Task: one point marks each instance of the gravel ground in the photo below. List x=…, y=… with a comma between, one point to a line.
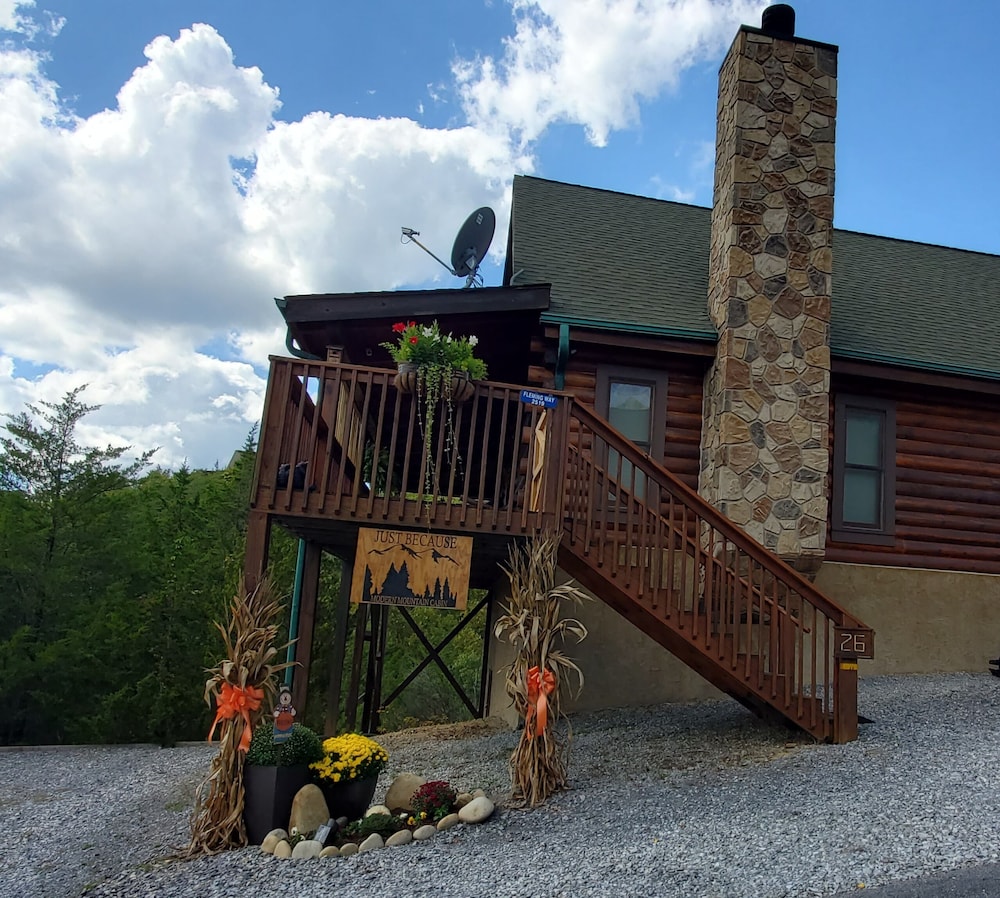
x=694, y=800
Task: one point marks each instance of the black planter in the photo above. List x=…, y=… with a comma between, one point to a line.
x=350, y=799
x=269, y=794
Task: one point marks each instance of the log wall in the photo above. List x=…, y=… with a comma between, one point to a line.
x=947, y=455
x=685, y=379
x=947, y=480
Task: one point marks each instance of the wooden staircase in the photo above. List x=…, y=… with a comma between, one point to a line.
x=670, y=563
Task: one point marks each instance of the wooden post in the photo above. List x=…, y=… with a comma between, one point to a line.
x=379, y=617
x=257, y=548
x=337, y=656
x=555, y=484
x=845, y=700
x=484, y=673
x=276, y=407
x=354, y=686
x=307, y=624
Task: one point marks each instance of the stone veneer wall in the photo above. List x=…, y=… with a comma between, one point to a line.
x=765, y=458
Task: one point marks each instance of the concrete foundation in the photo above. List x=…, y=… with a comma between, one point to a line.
x=925, y=622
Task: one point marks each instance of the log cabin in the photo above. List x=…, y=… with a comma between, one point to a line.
x=763, y=439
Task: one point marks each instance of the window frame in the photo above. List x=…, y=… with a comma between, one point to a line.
x=846, y=531
x=654, y=377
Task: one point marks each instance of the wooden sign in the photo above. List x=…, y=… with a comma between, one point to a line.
x=411, y=568
x=853, y=643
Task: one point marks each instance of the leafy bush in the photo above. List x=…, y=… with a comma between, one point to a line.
x=303, y=746
x=383, y=824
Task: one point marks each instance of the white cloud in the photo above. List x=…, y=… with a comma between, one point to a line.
x=15, y=18
x=664, y=191
x=697, y=163
x=12, y=17
x=590, y=62
x=161, y=394
x=134, y=240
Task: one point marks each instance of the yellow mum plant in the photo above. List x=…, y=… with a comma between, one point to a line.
x=350, y=757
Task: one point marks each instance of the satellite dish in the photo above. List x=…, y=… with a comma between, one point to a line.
x=471, y=244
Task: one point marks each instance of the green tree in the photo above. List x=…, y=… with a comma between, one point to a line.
x=45, y=461
x=61, y=558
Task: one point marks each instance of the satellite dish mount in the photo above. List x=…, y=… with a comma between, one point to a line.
x=471, y=244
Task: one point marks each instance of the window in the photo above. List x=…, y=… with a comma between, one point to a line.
x=864, y=470
x=634, y=401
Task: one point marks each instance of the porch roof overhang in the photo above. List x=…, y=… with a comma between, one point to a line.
x=503, y=318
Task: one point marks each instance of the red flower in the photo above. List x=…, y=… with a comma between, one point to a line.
x=398, y=327
x=413, y=339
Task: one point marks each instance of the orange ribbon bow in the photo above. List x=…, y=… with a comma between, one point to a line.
x=236, y=702
x=540, y=684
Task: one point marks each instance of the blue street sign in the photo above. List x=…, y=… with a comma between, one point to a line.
x=543, y=400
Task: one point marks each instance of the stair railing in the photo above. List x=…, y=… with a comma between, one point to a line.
x=683, y=561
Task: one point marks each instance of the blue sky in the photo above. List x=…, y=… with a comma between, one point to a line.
x=161, y=182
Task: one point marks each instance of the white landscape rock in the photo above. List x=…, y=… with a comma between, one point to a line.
x=309, y=810
x=330, y=851
x=307, y=849
x=399, y=795
x=403, y=837
x=378, y=809
x=348, y=850
x=372, y=843
x=283, y=850
x=477, y=810
x=425, y=832
x=272, y=839
x=447, y=822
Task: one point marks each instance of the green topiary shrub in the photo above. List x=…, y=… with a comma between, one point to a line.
x=303, y=746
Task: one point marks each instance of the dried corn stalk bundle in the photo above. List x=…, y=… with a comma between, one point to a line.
x=538, y=678
x=243, y=687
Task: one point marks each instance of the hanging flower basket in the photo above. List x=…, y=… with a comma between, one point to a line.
x=462, y=386
x=440, y=369
x=407, y=377
x=429, y=349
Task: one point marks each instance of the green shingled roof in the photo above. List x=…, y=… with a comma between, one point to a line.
x=636, y=264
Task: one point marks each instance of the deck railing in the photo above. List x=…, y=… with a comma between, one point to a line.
x=340, y=441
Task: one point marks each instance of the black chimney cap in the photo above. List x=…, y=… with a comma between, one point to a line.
x=778, y=20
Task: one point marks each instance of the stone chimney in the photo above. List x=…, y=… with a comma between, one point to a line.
x=765, y=457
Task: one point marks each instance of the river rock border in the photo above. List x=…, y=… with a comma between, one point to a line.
x=473, y=808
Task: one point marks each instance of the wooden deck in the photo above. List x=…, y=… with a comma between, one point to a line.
x=341, y=447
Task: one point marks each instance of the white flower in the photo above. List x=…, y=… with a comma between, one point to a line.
x=295, y=831
x=473, y=340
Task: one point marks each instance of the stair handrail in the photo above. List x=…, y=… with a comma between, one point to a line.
x=697, y=503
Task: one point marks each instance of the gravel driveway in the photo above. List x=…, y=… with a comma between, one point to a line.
x=689, y=800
